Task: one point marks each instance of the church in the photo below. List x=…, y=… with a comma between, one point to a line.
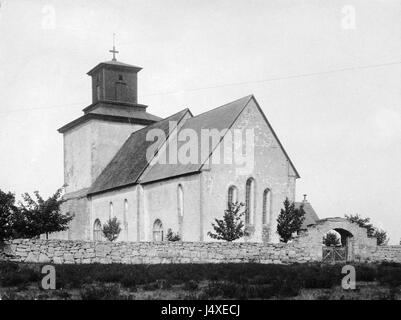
x=118, y=163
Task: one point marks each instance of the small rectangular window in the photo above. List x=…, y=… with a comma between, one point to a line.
x=98, y=92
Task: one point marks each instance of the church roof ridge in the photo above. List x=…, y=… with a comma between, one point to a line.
x=219, y=118
x=163, y=119
x=129, y=166
x=248, y=97
x=130, y=161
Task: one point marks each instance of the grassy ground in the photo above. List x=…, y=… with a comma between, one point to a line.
x=200, y=281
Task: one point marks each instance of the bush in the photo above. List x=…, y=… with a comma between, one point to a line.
x=389, y=273
x=151, y=286
x=379, y=234
x=100, y=291
x=366, y=273
x=11, y=275
x=332, y=240
x=227, y=281
x=231, y=227
x=244, y=291
x=128, y=281
x=191, y=285
x=111, y=229
x=173, y=237
x=290, y=220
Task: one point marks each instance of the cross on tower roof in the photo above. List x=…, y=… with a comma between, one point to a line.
x=114, y=51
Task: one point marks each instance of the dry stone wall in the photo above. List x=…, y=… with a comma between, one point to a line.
x=307, y=247
x=59, y=252
x=385, y=253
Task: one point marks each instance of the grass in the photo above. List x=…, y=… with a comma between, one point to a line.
x=194, y=281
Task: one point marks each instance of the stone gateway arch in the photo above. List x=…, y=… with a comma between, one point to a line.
x=355, y=243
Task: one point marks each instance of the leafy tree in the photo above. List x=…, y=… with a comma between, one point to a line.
x=171, y=236
x=362, y=222
x=331, y=240
x=231, y=227
x=111, y=229
x=39, y=216
x=381, y=237
x=289, y=221
x=7, y=210
x=372, y=231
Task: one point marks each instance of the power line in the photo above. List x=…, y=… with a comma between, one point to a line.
x=301, y=75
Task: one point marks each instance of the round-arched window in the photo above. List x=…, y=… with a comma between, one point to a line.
x=125, y=220
x=111, y=210
x=97, y=231
x=266, y=206
x=180, y=201
x=250, y=201
x=232, y=196
x=157, y=230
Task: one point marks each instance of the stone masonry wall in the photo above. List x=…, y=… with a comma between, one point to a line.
x=307, y=247
x=61, y=251
x=385, y=253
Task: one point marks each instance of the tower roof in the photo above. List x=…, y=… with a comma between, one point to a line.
x=115, y=65
x=311, y=216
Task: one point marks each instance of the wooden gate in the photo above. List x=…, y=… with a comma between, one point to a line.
x=334, y=254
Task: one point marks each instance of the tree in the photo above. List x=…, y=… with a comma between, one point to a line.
x=331, y=240
x=289, y=221
x=231, y=227
x=111, y=229
x=372, y=231
x=362, y=222
x=173, y=237
x=381, y=237
x=7, y=210
x=36, y=217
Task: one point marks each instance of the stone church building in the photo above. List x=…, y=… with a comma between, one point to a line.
x=108, y=171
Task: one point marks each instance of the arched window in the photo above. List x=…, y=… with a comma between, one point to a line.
x=157, y=230
x=125, y=220
x=180, y=201
x=250, y=201
x=111, y=210
x=97, y=230
x=232, y=195
x=139, y=214
x=266, y=206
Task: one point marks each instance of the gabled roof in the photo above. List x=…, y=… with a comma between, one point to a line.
x=113, y=111
x=129, y=164
x=115, y=64
x=311, y=216
x=121, y=109
x=128, y=112
x=105, y=117
x=130, y=161
x=220, y=118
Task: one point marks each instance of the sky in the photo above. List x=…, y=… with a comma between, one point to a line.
x=326, y=73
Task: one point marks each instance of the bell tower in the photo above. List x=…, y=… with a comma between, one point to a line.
x=92, y=140
x=114, y=81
